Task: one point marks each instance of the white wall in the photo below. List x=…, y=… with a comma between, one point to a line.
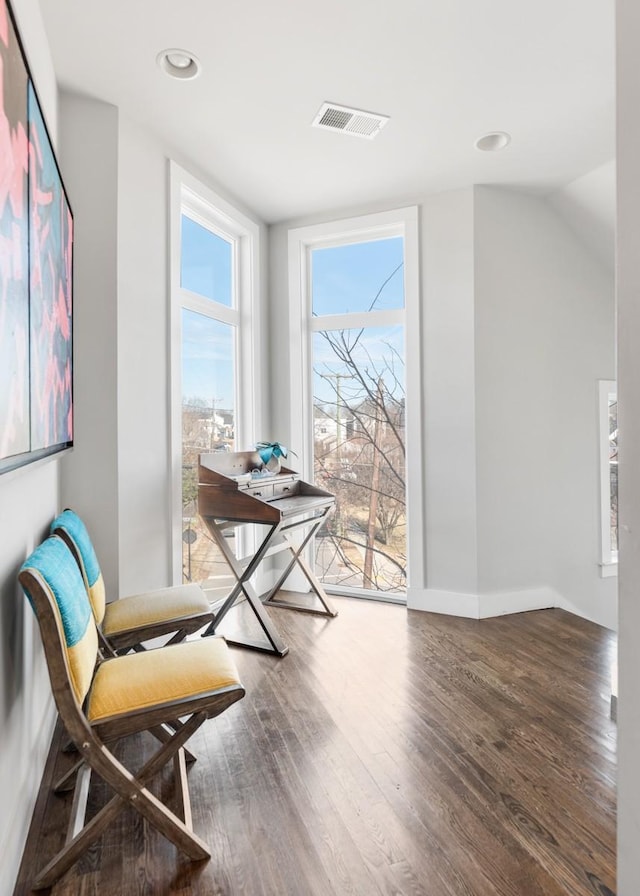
x=588, y=205
x=144, y=474
x=628, y=290
x=518, y=326
x=29, y=498
x=544, y=309
x=449, y=399
x=89, y=152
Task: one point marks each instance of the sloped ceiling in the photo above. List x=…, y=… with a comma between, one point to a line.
x=446, y=73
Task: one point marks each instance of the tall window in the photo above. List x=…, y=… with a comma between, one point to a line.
x=608, y=428
x=353, y=309
x=214, y=258
x=359, y=411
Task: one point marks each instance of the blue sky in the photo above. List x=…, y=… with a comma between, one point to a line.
x=207, y=360
x=352, y=278
x=207, y=345
x=206, y=263
x=344, y=279
x=348, y=278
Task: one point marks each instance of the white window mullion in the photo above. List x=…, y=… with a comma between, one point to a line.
x=208, y=308
x=356, y=320
x=416, y=534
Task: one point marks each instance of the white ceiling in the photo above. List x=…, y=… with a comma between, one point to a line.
x=446, y=71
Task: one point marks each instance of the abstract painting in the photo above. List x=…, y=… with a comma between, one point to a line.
x=50, y=244
x=36, y=257
x=14, y=244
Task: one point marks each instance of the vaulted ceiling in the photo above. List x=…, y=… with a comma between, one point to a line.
x=445, y=72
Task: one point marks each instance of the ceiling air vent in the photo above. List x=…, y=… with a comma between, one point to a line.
x=349, y=121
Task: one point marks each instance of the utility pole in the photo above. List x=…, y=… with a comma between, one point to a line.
x=375, y=489
x=338, y=377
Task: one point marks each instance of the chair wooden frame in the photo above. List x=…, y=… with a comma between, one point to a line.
x=172, y=722
x=178, y=625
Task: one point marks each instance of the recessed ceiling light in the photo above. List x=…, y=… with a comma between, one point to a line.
x=493, y=142
x=179, y=64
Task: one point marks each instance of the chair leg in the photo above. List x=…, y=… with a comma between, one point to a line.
x=182, y=786
x=66, y=782
x=165, y=732
x=133, y=790
x=79, y=805
x=179, y=636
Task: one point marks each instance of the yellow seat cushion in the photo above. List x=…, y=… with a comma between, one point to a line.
x=140, y=680
x=142, y=610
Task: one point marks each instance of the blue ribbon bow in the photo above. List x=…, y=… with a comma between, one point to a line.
x=266, y=450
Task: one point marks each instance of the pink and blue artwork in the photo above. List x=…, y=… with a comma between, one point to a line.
x=36, y=244
x=50, y=260
x=14, y=263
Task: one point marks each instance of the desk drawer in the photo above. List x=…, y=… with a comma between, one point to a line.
x=284, y=489
x=264, y=490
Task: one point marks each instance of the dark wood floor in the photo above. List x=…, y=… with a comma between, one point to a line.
x=390, y=752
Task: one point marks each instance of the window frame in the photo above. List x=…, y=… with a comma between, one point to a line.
x=202, y=204
x=608, y=556
x=301, y=242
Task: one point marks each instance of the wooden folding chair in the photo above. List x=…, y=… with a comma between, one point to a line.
x=127, y=622
x=169, y=692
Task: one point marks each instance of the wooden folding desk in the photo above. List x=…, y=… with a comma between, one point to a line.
x=284, y=503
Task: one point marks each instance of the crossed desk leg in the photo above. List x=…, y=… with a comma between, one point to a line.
x=273, y=643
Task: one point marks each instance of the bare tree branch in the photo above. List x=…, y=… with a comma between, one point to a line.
x=364, y=463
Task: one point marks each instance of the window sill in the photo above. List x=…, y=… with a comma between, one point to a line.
x=608, y=569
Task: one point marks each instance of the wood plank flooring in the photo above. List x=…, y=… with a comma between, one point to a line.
x=390, y=753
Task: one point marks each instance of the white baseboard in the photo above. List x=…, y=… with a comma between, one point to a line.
x=451, y=603
x=481, y=606
x=499, y=603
